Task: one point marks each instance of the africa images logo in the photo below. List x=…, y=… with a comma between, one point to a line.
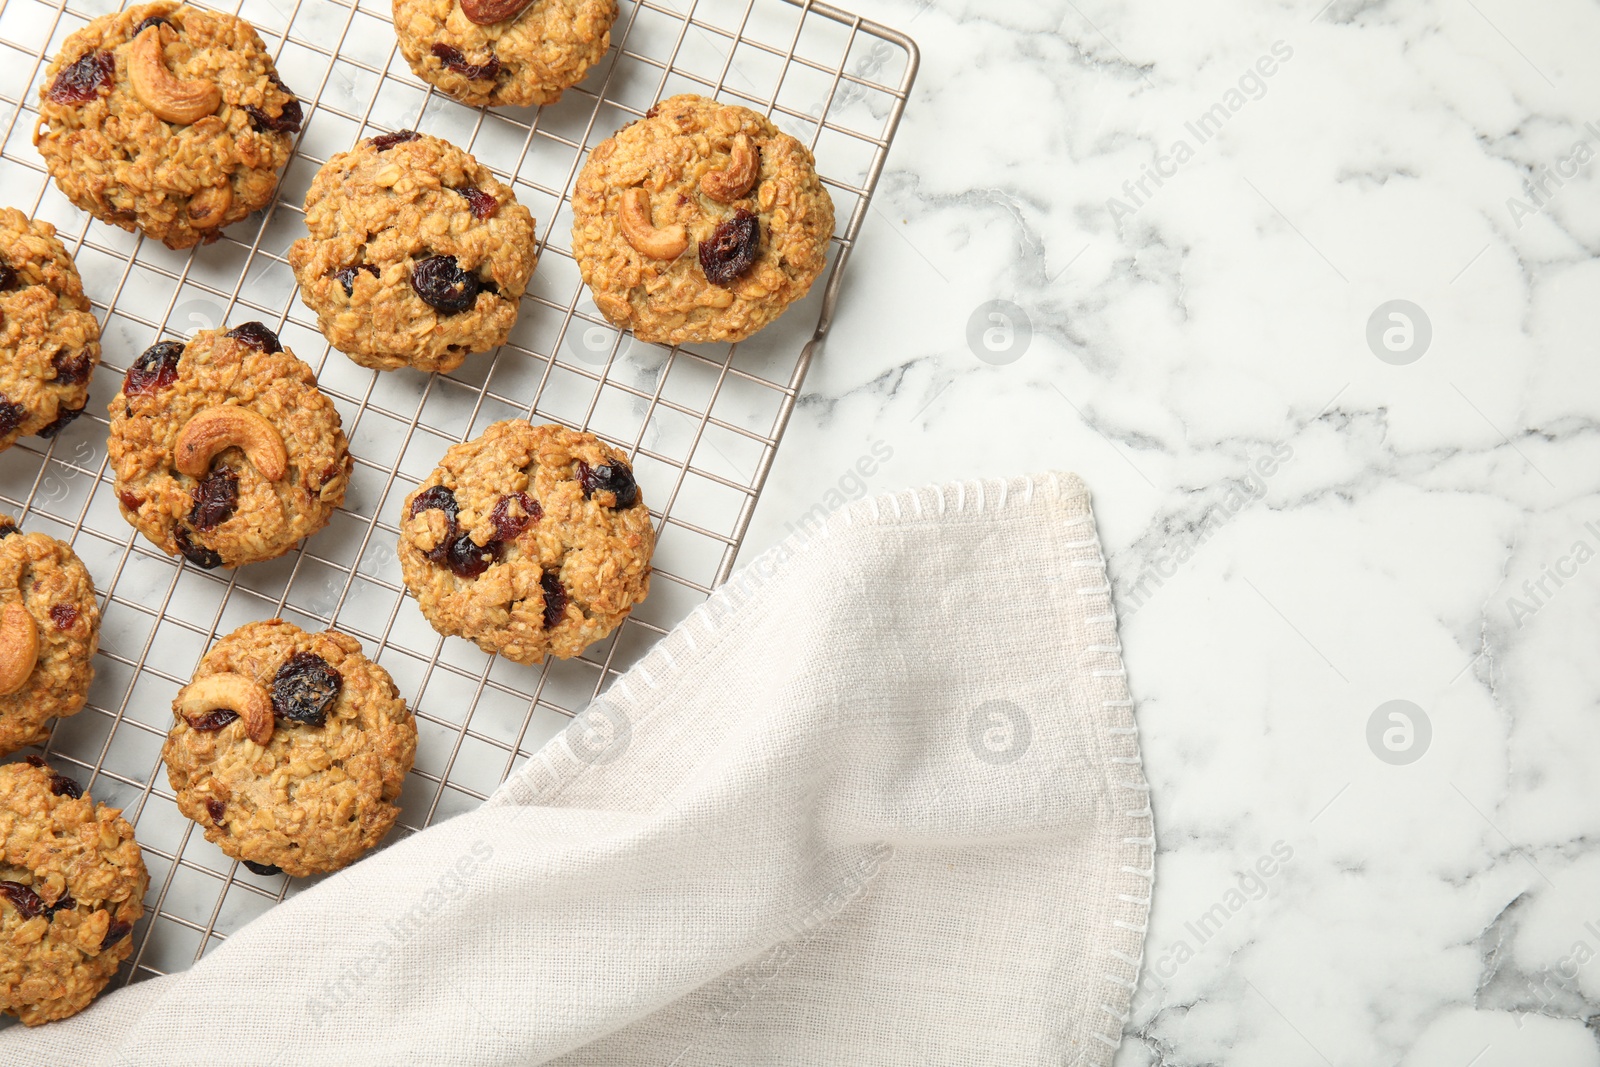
x=1546, y=184
x=1539, y=591
x=1251, y=86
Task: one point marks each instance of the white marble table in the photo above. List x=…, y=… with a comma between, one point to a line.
x=1303, y=526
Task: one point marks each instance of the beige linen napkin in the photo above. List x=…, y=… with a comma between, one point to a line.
x=879, y=801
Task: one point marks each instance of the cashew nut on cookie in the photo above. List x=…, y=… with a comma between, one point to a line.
x=734, y=181
x=167, y=96
x=233, y=692
x=19, y=647
x=641, y=232
x=217, y=429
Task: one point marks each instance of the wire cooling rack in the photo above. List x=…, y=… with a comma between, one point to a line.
x=701, y=422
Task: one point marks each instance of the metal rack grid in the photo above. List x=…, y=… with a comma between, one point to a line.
x=701, y=422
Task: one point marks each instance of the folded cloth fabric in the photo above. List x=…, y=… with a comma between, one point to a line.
x=878, y=801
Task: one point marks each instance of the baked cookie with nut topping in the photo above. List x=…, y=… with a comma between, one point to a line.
x=224, y=450
x=290, y=748
x=49, y=631
x=166, y=119
x=49, y=339
x=72, y=884
x=489, y=53
x=528, y=540
x=700, y=222
x=416, y=254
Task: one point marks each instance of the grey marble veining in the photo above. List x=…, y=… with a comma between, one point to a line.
x=1357, y=556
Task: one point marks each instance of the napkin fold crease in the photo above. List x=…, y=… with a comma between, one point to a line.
x=878, y=801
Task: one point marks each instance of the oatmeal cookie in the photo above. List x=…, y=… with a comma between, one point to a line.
x=528, y=540
x=49, y=339
x=416, y=254
x=49, y=630
x=166, y=119
x=72, y=885
x=225, y=452
x=290, y=748
x=513, y=52
x=700, y=222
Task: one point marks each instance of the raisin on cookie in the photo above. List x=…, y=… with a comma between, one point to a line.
x=700, y=222
x=290, y=748
x=489, y=53
x=528, y=540
x=72, y=884
x=49, y=631
x=225, y=451
x=49, y=339
x=166, y=119
x=416, y=254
